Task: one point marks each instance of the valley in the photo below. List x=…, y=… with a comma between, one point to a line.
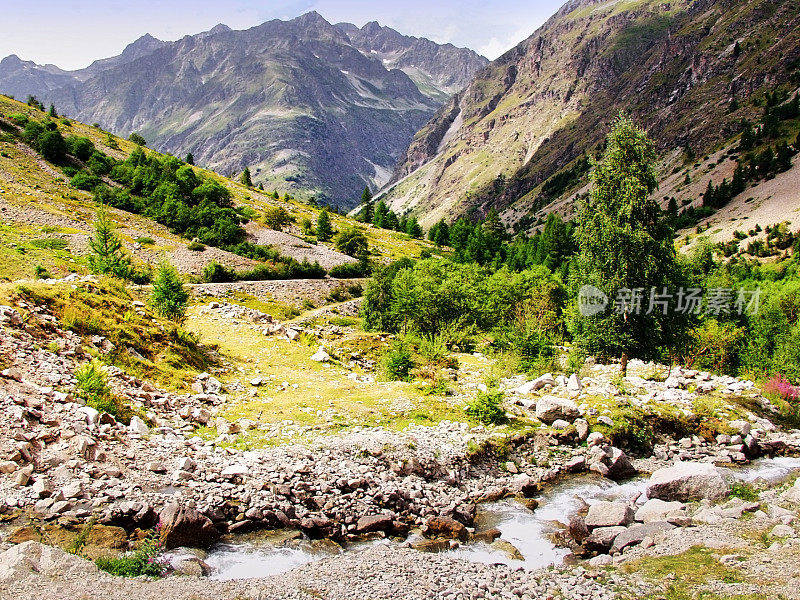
x=313, y=310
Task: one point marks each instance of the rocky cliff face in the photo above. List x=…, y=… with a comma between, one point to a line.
x=528, y=115
x=298, y=102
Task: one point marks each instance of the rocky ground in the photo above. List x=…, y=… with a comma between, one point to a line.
x=66, y=468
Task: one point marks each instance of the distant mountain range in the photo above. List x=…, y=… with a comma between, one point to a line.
x=305, y=104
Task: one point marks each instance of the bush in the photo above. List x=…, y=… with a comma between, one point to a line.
x=195, y=246
x=39, y=272
x=714, y=346
x=85, y=181
x=51, y=145
x=80, y=147
x=137, y=139
x=781, y=387
x=169, y=298
x=214, y=272
x=349, y=270
x=397, y=363
x=108, y=256
x=276, y=217
x=93, y=388
x=486, y=408
x=145, y=241
x=142, y=561
x=352, y=242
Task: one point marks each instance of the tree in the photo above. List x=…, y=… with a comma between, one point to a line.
x=625, y=245
x=52, y=112
x=413, y=228
x=169, y=298
x=324, y=228
x=108, y=256
x=276, y=217
x=137, y=139
x=190, y=159
x=246, y=180
x=51, y=146
x=747, y=140
x=367, y=207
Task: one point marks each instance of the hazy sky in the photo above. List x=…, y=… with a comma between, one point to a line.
x=73, y=33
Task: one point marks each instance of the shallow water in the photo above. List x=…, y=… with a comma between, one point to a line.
x=528, y=531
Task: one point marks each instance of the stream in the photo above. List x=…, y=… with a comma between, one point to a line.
x=528, y=531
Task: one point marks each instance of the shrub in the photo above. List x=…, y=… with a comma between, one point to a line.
x=349, y=270
x=108, y=256
x=39, y=272
x=714, y=346
x=352, y=242
x=93, y=388
x=169, y=298
x=214, y=272
x=51, y=146
x=486, y=408
x=745, y=491
x=781, y=387
x=196, y=246
x=276, y=217
x=397, y=363
x=80, y=147
x=137, y=139
x=84, y=181
x=145, y=241
x=142, y=561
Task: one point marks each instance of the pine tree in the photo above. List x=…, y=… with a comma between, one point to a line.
x=709, y=198
x=413, y=228
x=672, y=208
x=738, y=184
x=625, y=243
x=246, y=180
x=367, y=207
x=190, y=159
x=747, y=140
x=52, y=112
x=169, y=298
x=783, y=158
x=107, y=252
x=442, y=237
x=324, y=228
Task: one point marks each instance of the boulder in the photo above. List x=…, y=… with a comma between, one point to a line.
x=552, y=408
x=536, y=384
x=321, y=356
x=446, y=527
x=183, y=526
x=657, y=510
x=578, y=530
x=371, y=523
x=138, y=426
x=793, y=493
x=574, y=385
x=610, y=462
x=634, y=535
x=235, y=470
x=687, y=481
x=34, y=558
x=608, y=514
x=602, y=539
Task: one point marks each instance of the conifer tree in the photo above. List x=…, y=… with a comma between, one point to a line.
x=324, y=228
x=169, y=298
x=246, y=180
x=190, y=159
x=108, y=256
x=367, y=206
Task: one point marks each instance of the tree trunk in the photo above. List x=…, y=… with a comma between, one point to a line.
x=623, y=364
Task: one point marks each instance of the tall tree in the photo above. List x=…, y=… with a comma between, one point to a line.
x=108, y=256
x=246, y=180
x=324, y=228
x=367, y=206
x=190, y=159
x=625, y=245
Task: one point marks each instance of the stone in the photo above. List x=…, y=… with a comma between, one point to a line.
x=576, y=464
x=582, y=428
x=138, y=426
x=636, y=534
x=72, y=490
x=487, y=536
x=601, y=539
x=595, y=439
x=574, y=385
x=560, y=424
x=42, y=487
x=292, y=334
x=686, y=481
x=372, y=523
x=156, y=466
x=577, y=529
x=183, y=526
x=551, y=408
x=536, y=384
x=445, y=527
x=92, y=415
x=782, y=531
x=793, y=493
x=201, y=415
x=608, y=514
x=657, y=510
x=33, y=558
x=235, y=471
x=321, y=356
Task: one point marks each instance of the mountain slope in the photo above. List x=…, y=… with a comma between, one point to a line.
x=531, y=113
x=297, y=102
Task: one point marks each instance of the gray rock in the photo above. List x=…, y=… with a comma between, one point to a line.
x=321, y=356
x=551, y=408
x=602, y=539
x=608, y=514
x=687, y=481
x=138, y=426
x=636, y=534
x=657, y=510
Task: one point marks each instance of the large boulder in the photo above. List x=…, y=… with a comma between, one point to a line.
x=610, y=462
x=602, y=539
x=658, y=510
x=372, y=523
x=182, y=526
x=552, y=408
x=687, y=481
x=634, y=536
x=34, y=558
x=446, y=527
x=608, y=514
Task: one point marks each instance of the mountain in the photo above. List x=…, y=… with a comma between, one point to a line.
x=23, y=77
x=516, y=135
x=438, y=70
x=299, y=102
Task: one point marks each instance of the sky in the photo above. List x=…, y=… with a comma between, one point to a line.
x=71, y=33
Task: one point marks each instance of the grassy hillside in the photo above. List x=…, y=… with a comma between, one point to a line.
x=47, y=221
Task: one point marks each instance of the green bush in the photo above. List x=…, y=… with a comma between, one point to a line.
x=145, y=241
x=214, y=272
x=39, y=272
x=85, y=181
x=93, y=387
x=486, y=408
x=352, y=242
x=397, y=363
x=276, y=217
x=349, y=270
x=169, y=298
x=196, y=246
x=142, y=561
